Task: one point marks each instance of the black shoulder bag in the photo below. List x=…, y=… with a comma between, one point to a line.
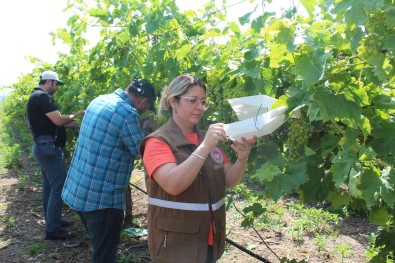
x=46, y=145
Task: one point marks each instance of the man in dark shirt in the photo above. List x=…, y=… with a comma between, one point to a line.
x=45, y=119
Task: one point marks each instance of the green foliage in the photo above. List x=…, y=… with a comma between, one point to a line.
x=338, y=62
x=23, y=182
x=10, y=221
x=36, y=248
x=129, y=258
x=311, y=220
x=11, y=152
x=383, y=246
x=11, y=155
x=343, y=250
x=320, y=241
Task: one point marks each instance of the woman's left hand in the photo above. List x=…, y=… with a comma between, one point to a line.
x=243, y=148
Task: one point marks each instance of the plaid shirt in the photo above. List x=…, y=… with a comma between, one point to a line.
x=104, y=156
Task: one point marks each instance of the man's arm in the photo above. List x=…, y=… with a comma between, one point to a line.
x=60, y=120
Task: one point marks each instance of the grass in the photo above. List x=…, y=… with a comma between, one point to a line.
x=9, y=221
x=36, y=248
x=302, y=222
x=344, y=250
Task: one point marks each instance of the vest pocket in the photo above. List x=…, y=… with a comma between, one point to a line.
x=177, y=239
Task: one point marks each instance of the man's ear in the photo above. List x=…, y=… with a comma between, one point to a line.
x=143, y=103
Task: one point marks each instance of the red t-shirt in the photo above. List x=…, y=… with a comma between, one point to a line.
x=158, y=153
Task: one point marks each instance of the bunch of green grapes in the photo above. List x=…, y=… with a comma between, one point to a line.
x=357, y=82
x=372, y=45
x=299, y=133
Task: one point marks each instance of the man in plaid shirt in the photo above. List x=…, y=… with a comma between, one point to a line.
x=102, y=163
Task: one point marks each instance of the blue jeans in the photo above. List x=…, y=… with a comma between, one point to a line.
x=104, y=229
x=53, y=171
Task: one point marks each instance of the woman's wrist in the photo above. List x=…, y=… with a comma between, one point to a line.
x=202, y=150
x=243, y=161
x=199, y=156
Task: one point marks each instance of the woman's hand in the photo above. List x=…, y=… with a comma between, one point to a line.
x=215, y=134
x=243, y=148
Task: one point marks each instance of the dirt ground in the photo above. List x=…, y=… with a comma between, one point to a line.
x=22, y=231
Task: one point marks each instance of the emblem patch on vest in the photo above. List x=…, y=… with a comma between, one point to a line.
x=217, y=155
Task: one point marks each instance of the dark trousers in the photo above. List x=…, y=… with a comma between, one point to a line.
x=104, y=229
x=53, y=173
x=210, y=255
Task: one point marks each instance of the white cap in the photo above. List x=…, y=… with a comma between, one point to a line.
x=49, y=74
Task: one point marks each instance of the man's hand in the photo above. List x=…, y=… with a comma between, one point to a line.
x=148, y=125
x=74, y=125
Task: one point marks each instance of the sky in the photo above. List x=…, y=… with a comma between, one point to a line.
x=25, y=27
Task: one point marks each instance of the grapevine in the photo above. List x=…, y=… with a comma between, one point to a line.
x=339, y=63
x=299, y=133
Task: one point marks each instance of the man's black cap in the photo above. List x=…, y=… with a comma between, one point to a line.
x=145, y=88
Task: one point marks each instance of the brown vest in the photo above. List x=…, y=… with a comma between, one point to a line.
x=177, y=235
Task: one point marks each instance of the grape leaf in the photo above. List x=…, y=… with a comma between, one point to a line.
x=386, y=238
x=365, y=127
x=257, y=209
x=328, y=143
x=251, y=54
x=259, y=22
x=278, y=54
x=335, y=106
x=382, y=101
x=279, y=186
x=339, y=198
x=341, y=166
x=97, y=12
x=309, y=5
x=317, y=186
x=353, y=182
x=355, y=11
x=377, y=62
x=366, y=153
x=379, y=215
x=286, y=36
x=356, y=15
x=247, y=222
x=245, y=18
x=355, y=35
x=349, y=139
x=384, y=142
x=297, y=173
x=390, y=17
x=387, y=188
x=381, y=257
x=370, y=185
x=283, y=183
x=389, y=42
x=266, y=172
x=311, y=66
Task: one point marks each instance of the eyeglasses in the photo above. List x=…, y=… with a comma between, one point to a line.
x=194, y=101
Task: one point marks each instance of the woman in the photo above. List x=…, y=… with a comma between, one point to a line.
x=186, y=172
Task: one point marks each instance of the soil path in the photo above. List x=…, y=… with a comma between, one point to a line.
x=22, y=230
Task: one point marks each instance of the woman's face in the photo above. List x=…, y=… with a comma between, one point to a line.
x=191, y=106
